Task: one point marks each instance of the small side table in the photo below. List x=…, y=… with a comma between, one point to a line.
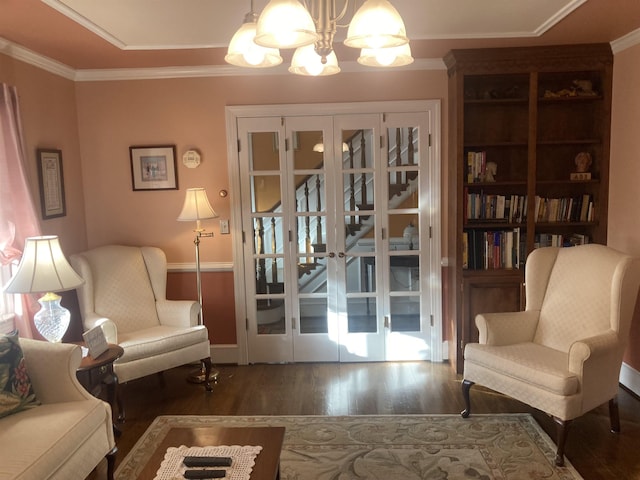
x=96, y=373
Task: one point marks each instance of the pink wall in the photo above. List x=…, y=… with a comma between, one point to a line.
x=48, y=109
x=624, y=224
x=190, y=113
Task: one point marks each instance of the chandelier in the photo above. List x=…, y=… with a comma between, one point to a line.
x=376, y=29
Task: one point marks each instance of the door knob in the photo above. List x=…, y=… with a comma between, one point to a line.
x=341, y=254
x=332, y=255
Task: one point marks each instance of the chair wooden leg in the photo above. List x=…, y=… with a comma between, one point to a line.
x=120, y=402
x=111, y=462
x=614, y=415
x=466, y=386
x=562, y=430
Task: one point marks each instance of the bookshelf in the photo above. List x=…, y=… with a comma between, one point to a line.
x=523, y=123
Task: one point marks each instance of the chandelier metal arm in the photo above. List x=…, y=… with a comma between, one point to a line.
x=324, y=16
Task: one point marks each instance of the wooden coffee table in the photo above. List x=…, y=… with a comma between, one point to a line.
x=267, y=465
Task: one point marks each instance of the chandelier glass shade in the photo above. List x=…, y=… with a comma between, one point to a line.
x=310, y=26
x=386, y=57
x=244, y=52
x=285, y=24
x=306, y=61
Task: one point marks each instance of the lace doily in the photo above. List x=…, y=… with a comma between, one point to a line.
x=244, y=458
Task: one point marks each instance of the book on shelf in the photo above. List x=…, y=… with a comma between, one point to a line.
x=492, y=249
x=564, y=209
x=476, y=166
x=492, y=208
x=558, y=240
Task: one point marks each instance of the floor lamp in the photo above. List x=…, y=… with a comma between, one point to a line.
x=196, y=208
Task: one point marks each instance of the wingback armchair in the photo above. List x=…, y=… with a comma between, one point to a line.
x=562, y=354
x=125, y=294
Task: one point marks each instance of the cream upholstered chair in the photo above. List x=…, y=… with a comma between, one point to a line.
x=563, y=354
x=125, y=294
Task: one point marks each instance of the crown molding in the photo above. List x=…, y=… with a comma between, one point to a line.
x=93, y=75
x=631, y=39
x=25, y=55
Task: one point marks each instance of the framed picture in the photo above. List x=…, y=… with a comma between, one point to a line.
x=51, y=181
x=154, y=168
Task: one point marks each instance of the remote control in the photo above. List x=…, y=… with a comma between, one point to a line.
x=207, y=473
x=192, y=461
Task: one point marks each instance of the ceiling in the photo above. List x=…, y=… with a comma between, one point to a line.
x=134, y=34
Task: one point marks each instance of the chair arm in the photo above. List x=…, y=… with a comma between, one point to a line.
x=595, y=349
x=506, y=328
x=52, y=369
x=109, y=328
x=178, y=313
x=597, y=361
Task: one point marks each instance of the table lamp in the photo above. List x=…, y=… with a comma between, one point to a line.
x=44, y=269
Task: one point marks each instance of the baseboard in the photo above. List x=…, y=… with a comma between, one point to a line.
x=630, y=378
x=224, y=354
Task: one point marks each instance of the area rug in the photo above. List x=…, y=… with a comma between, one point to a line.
x=388, y=447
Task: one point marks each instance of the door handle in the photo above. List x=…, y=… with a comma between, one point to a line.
x=341, y=254
x=332, y=255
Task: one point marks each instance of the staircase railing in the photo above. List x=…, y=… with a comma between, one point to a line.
x=401, y=152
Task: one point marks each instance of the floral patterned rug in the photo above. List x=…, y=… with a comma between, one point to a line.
x=389, y=447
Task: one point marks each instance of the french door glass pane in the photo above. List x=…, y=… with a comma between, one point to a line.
x=404, y=231
x=313, y=315
x=361, y=274
x=361, y=315
x=405, y=314
x=267, y=235
x=404, y=273
x=312, y=275
x=265, y=193
x=308, y=150
x=264, y=151
x=270, y=316
x=403, y=146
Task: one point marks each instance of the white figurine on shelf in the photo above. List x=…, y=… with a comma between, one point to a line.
x=490, y=172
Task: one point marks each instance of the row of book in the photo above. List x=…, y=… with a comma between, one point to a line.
x=476, y=166
x=557, y=240
x=488, y=250
x=506, y=249
x=566, y=209
x=489, y=207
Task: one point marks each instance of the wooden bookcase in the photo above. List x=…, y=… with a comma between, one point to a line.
x=527, y=113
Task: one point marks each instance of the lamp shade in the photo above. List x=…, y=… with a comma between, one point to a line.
x=285, y=24
x=377, y=24
x=244, y=52
x=386, y=57
x=306, y=61
x=43, y=268
x=196, y=206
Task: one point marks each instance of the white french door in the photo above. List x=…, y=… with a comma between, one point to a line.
x=337, y=260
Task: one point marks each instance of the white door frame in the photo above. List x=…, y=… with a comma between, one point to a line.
x=232, y=113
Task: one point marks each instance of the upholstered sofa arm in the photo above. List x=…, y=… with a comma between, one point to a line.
x=506, y=328
x=52, y=369
x=177, y=313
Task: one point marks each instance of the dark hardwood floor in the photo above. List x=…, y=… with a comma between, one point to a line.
x=366, y=389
